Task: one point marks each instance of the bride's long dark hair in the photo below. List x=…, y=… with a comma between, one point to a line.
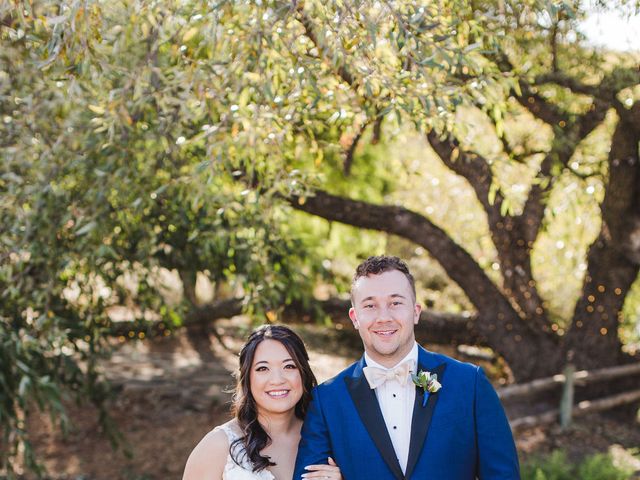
x=245, y=410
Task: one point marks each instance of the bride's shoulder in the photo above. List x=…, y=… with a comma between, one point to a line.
x=231, y=429
x=209, y=456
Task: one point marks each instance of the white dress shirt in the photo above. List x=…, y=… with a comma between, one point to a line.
x=396, y=404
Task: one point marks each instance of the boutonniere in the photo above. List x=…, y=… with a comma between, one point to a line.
x=428, y=382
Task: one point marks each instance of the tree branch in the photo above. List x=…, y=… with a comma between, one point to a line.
x=7, y=20
x=408, y=224
x=554, y=45
x=434, y=327
x=377, y=129
x=563, y=80
x=538, y=106
x=513, y=236
x=604, y=96
x=606, y=91
x=528, y=96
x=497, y=321
x=473, y=167
x=309, y=30
x=348, y=160
x=533, y=210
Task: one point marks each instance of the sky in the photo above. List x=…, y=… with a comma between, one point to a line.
x=612, y=30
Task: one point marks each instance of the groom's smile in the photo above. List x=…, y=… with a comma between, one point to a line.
x=386, y=333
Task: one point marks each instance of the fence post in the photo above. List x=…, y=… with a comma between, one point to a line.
x=566, y=403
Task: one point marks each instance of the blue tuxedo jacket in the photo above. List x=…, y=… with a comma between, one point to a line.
x=461, y=434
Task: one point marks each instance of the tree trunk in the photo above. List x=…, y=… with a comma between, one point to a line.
x=613, y=259
x=513, y=236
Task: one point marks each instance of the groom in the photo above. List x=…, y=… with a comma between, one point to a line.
x=378, y=424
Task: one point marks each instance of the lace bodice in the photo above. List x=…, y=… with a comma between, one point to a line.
x=233, y=471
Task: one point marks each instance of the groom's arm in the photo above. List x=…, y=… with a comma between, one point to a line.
x=315, y=444
x=497, y=455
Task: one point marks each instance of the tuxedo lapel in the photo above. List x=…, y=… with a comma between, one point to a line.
x=366, y=403
x=422, y=418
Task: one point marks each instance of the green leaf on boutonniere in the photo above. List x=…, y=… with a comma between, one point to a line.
x=428, y=382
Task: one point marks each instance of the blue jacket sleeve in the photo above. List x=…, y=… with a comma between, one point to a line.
x=497, y=455
x=315, y=444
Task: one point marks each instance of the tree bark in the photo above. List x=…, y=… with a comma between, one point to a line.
x=613, y=259
x=513, y=236
x=507, y=333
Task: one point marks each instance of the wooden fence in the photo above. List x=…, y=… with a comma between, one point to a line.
x=568, y=380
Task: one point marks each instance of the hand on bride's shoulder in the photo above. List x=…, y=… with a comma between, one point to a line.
x=208, y=459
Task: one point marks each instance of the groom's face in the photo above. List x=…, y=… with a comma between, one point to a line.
x=384, y=312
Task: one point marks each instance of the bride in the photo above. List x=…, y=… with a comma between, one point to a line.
x=271, y=398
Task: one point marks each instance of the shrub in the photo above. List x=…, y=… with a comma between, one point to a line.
x=557, y=467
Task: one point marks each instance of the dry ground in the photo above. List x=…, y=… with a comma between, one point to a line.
x=171, y=391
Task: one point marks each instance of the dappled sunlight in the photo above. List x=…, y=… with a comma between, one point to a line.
x=174, y=173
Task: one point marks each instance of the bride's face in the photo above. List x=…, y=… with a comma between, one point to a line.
x=276, y=384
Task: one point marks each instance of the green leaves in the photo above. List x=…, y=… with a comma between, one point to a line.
x=145, y=144
x=556, y=466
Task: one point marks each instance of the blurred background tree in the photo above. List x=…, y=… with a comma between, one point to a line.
x=170, y=163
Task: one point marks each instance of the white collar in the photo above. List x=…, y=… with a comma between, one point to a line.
x=411, y=356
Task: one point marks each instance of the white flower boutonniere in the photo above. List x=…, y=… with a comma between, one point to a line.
x=428, y=382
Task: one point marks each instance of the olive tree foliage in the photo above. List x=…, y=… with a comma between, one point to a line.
x=144, y=137
x=99, y=185
x=580, y=108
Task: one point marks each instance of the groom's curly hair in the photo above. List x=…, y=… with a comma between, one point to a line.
x=245, y=409
x=381, y=264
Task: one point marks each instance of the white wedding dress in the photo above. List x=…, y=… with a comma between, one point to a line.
x=244, y=471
